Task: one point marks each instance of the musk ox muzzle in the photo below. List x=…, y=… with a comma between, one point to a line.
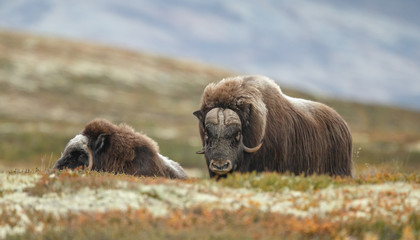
x=76, y=153
x=220, y=166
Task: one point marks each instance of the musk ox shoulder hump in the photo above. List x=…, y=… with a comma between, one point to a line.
x=303, y=105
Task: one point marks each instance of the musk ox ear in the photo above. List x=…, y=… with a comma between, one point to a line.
x=199, y=114
x=101, y=143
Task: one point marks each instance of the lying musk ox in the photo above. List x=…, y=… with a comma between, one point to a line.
x=246, y=123
x=103, y=146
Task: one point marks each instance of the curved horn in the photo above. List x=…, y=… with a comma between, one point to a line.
x=252, y=150
x=212, y=116
x=200, y=151
x=231, y=117
x=90, y=158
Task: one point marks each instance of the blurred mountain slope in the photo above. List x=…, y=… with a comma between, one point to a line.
x=51, y=87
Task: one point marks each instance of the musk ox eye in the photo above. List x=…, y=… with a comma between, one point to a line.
x=238, y=136
x=81, y=157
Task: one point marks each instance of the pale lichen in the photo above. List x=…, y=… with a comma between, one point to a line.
x=17, y=182
x=391, y=201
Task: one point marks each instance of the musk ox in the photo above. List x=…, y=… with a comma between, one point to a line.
x=103, y=146
x=246, y=123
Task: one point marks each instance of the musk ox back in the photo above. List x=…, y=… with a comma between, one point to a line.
x=103, y=146
x=246, y=123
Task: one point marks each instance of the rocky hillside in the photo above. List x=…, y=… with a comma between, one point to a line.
x=50, y=88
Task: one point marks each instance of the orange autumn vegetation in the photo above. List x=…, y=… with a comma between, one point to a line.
x=211, y=224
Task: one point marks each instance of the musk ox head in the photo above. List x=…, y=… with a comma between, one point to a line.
x=84, y=148
x=76, y=154
x=223, y=144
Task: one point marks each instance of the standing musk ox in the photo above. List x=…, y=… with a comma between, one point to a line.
x=103, y=146
x=246, y=123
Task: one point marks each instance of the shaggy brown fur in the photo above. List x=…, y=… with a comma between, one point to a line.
x=119, y=149
x=298, y=136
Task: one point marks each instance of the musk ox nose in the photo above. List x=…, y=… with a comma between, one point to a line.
x=220, y=166
x=57, y=165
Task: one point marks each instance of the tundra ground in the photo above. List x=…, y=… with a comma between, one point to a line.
x=90, y=205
